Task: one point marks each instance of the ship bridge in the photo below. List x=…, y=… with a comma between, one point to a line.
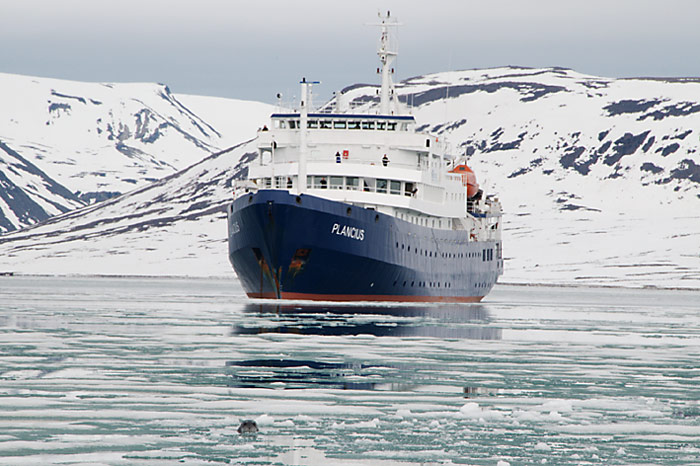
x=374, y=161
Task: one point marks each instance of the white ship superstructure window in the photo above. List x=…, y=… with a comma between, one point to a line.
x=395, y=187
x=336, y=182
x=352, y=183
x=381, y=186
x=317, y=182
x=342, y=123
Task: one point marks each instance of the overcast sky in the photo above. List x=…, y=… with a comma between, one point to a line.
x=252, y=50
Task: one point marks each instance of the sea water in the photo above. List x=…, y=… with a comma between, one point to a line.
x=120, y=371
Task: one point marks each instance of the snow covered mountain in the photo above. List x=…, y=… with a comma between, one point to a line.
x=64, y=144
x=173, y=226
x=599, y=179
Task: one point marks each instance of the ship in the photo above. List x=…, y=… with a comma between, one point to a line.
x=341, y=205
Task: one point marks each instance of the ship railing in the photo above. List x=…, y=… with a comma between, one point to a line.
x=243, y=187
x=264, y=162
x=332, y=106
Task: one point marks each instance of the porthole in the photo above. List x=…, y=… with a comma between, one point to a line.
x=349, y=211
x=298, y=199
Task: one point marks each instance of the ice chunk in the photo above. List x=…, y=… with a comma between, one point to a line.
x=264, y=420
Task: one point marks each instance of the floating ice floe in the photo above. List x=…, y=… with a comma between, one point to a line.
x=541, y=446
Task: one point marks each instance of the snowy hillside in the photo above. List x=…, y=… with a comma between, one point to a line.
x=98, y=140
x=174, y=226
x=599, y=179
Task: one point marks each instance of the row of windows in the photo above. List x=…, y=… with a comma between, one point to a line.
x=352, y=183
x=426, y=284
x=424, y=221
x=444, y=255
x=422, y=284
x=343, y=124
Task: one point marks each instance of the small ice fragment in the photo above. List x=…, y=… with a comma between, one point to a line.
x=264, y=420
x=403, y=413
x=287, y=423
x=373, y=424
x=435, y=424
x=621, y=451
x=542, y=447
x=502, y=463
x=470, y=409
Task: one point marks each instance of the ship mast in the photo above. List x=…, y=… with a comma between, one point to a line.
x=387, y=52
x=303, y=123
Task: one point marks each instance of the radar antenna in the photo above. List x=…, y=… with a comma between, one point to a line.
x=387, y=51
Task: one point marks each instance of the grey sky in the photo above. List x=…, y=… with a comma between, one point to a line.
x=252, y=50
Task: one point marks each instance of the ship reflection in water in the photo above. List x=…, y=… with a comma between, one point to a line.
x=448, y=322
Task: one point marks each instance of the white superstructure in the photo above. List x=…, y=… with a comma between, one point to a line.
x=374, y=161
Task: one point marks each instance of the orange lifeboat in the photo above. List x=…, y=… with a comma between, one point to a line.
x=468, y=179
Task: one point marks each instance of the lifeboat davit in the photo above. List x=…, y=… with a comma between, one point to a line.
x=468, y=179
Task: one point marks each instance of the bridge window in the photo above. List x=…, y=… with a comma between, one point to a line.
x=367, y=125
x=395, y=187
x=293, y=124
x=353, y=125
x=391, y=126
x=339, y=125
x=408, y=189
x=325, y=124
x=320, y=182
x=336, y=182
x=312, y=124
x=381, y=125
x=352, y=183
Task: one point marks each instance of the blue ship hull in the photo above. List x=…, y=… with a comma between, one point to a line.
x=284, y=246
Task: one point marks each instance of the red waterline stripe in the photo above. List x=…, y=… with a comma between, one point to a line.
x=369, y=297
